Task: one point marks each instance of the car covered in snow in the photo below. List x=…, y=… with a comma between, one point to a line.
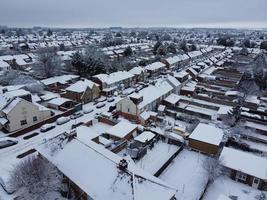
x=47, y=127
x=100, y=105
x=88, y=110
x=76, y=115
x=7, y=142
x=111, y=99
x=62, y=120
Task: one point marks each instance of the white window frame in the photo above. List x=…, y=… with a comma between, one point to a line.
x=241, y=176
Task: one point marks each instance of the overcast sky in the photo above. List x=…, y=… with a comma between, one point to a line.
x=133, y=13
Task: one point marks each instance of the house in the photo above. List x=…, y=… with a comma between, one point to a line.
x=188, y=89
x=206, y=138
x=245, y=167
x=146, y=99
x=140, y=74
x=17, y=113
x=60, y=103
x=175, y=61
x=172, y=100
x=117, y=80
x=181, y=76
x=174, y=83
x=83, y=91
x=59, y=82
x=106, y=175
x=155, y=68
x=26, y=95
x=122, y=130
x=192, y=72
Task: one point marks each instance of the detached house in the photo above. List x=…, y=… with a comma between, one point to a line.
x=83, y=91
x=17, y=113
x=146, y=99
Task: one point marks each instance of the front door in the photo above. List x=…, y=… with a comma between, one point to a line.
x=256, y=182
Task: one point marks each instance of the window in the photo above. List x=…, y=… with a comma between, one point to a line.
x=128, y=110
x=34, y=118
x=23, y=122
x=256, y=180
x=241, y=176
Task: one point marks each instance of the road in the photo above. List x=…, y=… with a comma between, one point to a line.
x=10, y=153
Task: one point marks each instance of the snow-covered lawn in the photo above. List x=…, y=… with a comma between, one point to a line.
x=187, y=175
x=156, y=157
x=227, y=187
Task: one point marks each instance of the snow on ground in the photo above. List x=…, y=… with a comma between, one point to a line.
x=4, y=195
x=226, y=186
x=156, y=157
x=8, y=155
x=187, y=175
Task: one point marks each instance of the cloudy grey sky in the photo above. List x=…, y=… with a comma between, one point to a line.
x=132, y=13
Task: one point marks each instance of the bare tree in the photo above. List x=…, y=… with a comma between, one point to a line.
x=213, y=168
x=35, y=178
x=48, y=63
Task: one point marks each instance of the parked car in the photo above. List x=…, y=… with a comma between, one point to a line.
x=73, y=126
x=111, y=108
x=47, y=127
x=88, y=110
x=76, y=115
x=62, y=120
x=7, y=142
x=101, y=99
x=100, y=105
x=111, y=99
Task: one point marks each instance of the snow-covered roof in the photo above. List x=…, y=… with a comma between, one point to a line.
x=161, y=108
x=121, y=129
x=8, y=102
x=49, y=96
x=152, y=93
x=155, y=66
x=175, y=59
x=223, y=110
x=59, y=79
x=173, y=81
x=144, y=137
x=18, y=93
x=172, y=98
x=85, y=133
x=193, y=54
x=245, y=162
x=4, y=65
x=145, y=115
x=180, y=74
x=58, y=101
x=114, y=77
x=81, y=86
x=207, y=133
x=102, y=178
x=137, y=70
